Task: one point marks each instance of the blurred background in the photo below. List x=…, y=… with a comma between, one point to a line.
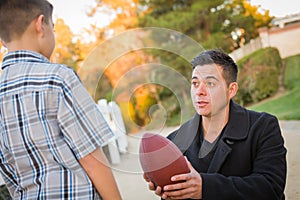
x=264, y=42
x=137, y=52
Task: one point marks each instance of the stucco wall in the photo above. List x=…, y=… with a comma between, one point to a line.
x=286, y=40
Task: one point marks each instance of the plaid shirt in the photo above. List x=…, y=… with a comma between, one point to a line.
x=48, y=122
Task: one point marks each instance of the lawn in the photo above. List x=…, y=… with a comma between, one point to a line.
x=285, y=107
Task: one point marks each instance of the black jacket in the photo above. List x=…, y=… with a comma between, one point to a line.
x=250, y=158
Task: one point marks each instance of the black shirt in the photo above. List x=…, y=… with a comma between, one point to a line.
x=193, y=153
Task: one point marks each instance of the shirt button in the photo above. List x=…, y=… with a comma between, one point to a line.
x=229, y=142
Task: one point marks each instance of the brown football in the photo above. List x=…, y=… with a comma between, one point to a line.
x=161, y=159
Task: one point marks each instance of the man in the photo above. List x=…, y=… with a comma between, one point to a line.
x=51, y=129
x=232, y=152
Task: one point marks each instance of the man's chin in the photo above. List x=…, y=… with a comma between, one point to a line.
x=203, y=113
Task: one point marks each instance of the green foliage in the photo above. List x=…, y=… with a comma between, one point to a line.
x=218, y=40
x=206, y=21
x=258, y=75
x=104, y=89
x=286, y=107
x=268, y=56
x=211, y=24
x=292, y=72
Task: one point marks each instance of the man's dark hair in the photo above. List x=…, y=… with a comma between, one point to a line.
x=220, y=58
x=16, y=15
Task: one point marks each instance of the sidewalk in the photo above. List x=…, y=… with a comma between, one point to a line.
x=130, y=180
x=291, y=133
x=129, y=174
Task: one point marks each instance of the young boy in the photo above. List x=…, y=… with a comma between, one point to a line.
x=51, y=129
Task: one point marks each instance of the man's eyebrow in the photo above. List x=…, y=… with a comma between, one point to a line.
x=208, y=77
x=211, y=77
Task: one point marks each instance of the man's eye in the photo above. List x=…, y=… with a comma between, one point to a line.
x=210, y=84
x=195, y=83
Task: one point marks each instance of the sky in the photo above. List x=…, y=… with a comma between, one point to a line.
x=74, y=11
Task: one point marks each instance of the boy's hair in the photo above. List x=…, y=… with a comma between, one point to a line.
x=218, y=57
x=16, y=15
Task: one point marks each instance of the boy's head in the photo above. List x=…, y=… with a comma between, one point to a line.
x=218, y=57
x=16, y=15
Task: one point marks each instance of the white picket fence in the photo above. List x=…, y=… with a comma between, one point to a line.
x=112, y=114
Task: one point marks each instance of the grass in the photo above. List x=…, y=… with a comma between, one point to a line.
x=285, y=107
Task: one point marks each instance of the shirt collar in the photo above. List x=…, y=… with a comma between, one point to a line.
x=19, y=56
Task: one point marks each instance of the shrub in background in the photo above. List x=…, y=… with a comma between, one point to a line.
x=258, y=75
x=292, y=72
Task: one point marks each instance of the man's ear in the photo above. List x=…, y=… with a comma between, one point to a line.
x=39, y=24
x=233, y=88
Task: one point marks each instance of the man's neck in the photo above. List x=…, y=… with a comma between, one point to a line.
x=213, y=126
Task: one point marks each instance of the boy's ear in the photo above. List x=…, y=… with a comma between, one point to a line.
x=39, y=24
x=233, y=88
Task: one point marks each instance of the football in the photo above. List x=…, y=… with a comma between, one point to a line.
x=161, y=159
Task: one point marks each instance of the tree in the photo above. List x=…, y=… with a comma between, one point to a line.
x=136, y=103
x=124, y=12
x=211, y=23
x=123, y=15
x=243, y=21
x=67, y=50
x=226, y=24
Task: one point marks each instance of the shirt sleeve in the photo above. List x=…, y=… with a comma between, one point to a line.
x=81, y=122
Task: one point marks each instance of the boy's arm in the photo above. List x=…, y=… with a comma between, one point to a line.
x=97, y=168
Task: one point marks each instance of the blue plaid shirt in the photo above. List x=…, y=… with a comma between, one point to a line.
x=48, y=122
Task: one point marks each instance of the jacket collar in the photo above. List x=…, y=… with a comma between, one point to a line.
x=238, y=123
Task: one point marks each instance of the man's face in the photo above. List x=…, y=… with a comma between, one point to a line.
x=209, y=91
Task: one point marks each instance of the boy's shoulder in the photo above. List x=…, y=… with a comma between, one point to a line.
x=62, y=68
x=63, y=72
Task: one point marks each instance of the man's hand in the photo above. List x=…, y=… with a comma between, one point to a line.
x=190, y=187
x=157, y=190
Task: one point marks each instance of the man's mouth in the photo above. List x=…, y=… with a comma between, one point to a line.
x=201, y=103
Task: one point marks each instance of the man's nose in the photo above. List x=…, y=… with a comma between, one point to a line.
x=201, y=90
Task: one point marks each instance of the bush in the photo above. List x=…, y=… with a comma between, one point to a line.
x=292, y=72
x=268, y=56
x=258, y=75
